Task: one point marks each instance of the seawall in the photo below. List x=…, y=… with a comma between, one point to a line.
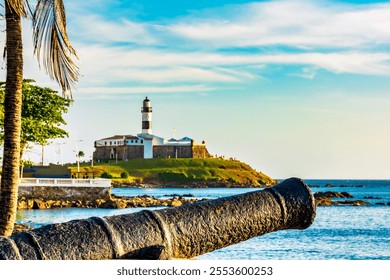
x=64, y=193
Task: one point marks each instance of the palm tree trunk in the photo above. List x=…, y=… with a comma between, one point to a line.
x=12, y=122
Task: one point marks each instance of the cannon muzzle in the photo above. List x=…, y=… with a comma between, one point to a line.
x=182, y=232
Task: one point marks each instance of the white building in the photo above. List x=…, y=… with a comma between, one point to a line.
x=146, y=145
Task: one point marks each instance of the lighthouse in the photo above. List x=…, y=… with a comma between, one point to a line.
x=146, y=111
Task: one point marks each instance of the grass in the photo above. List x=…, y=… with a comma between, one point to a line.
x=180, y=170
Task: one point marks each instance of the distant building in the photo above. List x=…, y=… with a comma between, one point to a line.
x=146, y=145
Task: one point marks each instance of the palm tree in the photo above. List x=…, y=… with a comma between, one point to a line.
x=53, y=49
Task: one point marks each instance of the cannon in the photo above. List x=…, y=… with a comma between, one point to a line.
x=171, y=233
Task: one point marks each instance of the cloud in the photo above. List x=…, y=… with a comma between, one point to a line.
x=159, y=66
x=306, y=72
x=97, y=29
x=163, y=66
x=296, y=23
x=211, y=48
x=340, y=62
x=145, y=89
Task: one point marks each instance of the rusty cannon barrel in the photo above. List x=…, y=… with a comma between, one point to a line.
x=182, y=232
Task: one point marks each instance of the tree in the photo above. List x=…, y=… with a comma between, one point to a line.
x=42, y=110
x=80, y=154
x=53, y=48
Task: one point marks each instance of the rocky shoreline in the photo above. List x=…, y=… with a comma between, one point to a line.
x=114, y=202
x=326, y=199
x=173, y=200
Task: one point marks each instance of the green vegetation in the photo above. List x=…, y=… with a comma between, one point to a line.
x=106, y=175
x=179, y=171
x=42, y=110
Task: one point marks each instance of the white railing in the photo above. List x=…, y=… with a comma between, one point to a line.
x=61, y=182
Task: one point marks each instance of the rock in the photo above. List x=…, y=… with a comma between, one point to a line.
x=354, y=202
x=359, y=186
x=98, y=202
x=380, y=203
x=114, y=202
x=21, y=228
x=346, y=195
x=131, y=204
x=372, y=197
x=110, y=204
x=172, y=195
x=324, y=201
x=176, y=203
x=39, y=204
x=330, y=194
x=117, y=203
x=329, y=185
x=25, y=204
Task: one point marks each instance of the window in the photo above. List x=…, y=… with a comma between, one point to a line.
x=105, y=143
x=136, y=141
x=142, y=141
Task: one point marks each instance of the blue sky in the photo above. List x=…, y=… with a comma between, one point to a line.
x=294, y=88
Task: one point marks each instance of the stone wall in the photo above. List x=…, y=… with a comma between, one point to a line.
x=64, y=193
x=123, y=152
x=172, y=151
x=101, y=153
x=200, y=151
x=159, y=151
x=135, y=152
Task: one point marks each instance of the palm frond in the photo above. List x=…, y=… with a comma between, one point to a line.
x=52, y=45
x=19, y=6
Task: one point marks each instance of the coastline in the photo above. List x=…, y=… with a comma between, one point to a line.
x=191, y=184
x=113, y=202
x=324, y=198
x=325, y=194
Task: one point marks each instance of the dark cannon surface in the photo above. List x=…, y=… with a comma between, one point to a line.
x=171, y=233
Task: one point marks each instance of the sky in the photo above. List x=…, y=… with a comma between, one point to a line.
x=293, y=88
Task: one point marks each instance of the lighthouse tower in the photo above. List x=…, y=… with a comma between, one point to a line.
x=146, y=111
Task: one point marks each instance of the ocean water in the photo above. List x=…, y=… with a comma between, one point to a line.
x=338, y=232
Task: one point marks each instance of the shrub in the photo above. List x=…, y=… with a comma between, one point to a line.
x=106, y=175
x=124, y=175
x=28, y=163
x=232, y=180
x=173, y=176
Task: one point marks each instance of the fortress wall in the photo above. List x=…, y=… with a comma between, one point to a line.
x=172, y=151
x=159, y=151
x=123, y=152
x=101, y=153
x=135, y=152
x=200, y=151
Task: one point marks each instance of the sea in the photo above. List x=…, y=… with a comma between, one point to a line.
x=338, y=232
